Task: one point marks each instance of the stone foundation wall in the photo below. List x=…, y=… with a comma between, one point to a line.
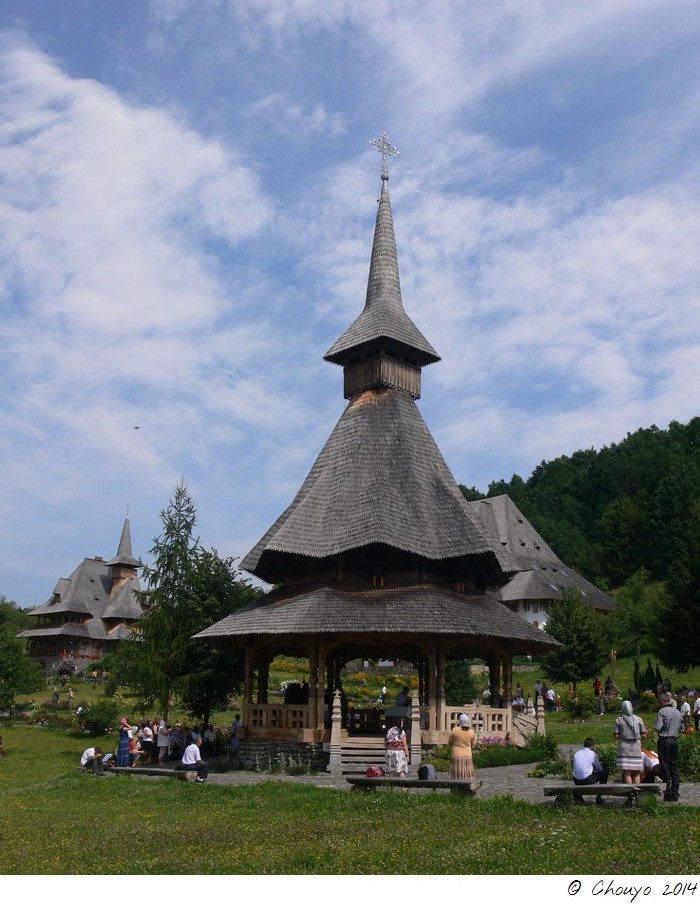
x=258, y=754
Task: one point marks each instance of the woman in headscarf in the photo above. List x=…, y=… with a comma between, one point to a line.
x=396, y=750
x=629, y=731
x=461, y=742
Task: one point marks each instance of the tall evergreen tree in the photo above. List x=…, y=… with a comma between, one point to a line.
x=578, y=627
x=158, y=659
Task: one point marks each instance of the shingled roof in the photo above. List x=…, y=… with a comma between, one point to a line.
x=383, y=317
x=380, y=478
x=91, y=595
x=541, y=573
x=415, y=609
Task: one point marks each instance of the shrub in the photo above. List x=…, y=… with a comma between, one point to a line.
x=66, y=666
x=99, y=716
x=580, y=707
x=646, y=702
x=689, y=755
x=542, y=747
x=558, y=766
x=607, y=754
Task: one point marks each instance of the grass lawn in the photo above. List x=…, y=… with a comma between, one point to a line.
x=54, y=820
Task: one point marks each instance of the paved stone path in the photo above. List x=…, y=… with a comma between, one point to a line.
x=496, y=782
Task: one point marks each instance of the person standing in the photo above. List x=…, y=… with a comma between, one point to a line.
x=696, y=713
x=163, y=741
x=396, y=750
x=684, y=710
x=236, y=726
x=629, y=731
x=669, y=724
x=587, y=770
x=461, y=743
x=123, y=755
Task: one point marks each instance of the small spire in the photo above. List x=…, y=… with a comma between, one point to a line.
x=124, y=555
x=386, y=150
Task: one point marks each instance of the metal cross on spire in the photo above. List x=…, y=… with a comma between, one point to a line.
x=386, y=150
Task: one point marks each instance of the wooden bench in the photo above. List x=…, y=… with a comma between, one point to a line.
x=564, y=792
x=184, y=775
x=365, y=783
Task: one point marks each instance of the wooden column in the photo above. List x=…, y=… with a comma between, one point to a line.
x=494, y=676
x=248, y=682
x=322, y=679
x=313, y=686
x=431, y=669
x=507, y=679
x=263, y=677
x=440, y=686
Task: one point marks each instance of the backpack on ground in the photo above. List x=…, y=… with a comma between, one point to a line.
x=427, y=773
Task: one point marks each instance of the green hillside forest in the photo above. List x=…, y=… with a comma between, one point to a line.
x=627, y=517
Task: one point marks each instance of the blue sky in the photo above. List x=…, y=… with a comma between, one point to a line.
x=187, y=200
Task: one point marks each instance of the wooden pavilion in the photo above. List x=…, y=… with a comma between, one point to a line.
x=379, y=555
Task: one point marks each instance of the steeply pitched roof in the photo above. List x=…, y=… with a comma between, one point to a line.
x=541, y=573
x=124, y=555
x=383, y=317
x=88, y=593
x=380, y=478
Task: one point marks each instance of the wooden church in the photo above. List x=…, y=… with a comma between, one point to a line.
x=89, y=613
x=379, y=555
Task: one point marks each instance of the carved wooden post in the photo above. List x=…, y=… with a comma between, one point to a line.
x=336, y=724
x=540, y=716
x=416, y=745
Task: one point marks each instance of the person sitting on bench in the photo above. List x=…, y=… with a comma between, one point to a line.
x=192, y=760
x=92, y=759
x=588, y=770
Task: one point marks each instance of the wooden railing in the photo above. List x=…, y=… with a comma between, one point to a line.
x=265, y=717
x=485, y=721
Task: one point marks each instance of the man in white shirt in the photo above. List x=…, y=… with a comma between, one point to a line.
x=587, y=769
x=92, y=758
x=696, y=712
x=193, y=762
x=684, y=710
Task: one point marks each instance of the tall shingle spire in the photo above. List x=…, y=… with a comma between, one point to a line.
x=124, y=555
x=383, y=327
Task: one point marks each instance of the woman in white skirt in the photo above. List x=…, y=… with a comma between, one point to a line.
x=629, y=731
x=461, y=743
x=396, y=750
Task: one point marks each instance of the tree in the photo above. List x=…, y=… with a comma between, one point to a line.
x=18, y=674
x=633, y=626
x=678, y=647
x=578, y=627
x=157, y=660
x=11, y=616
x=215, y=674
x=460, y=687
x=188, y=589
